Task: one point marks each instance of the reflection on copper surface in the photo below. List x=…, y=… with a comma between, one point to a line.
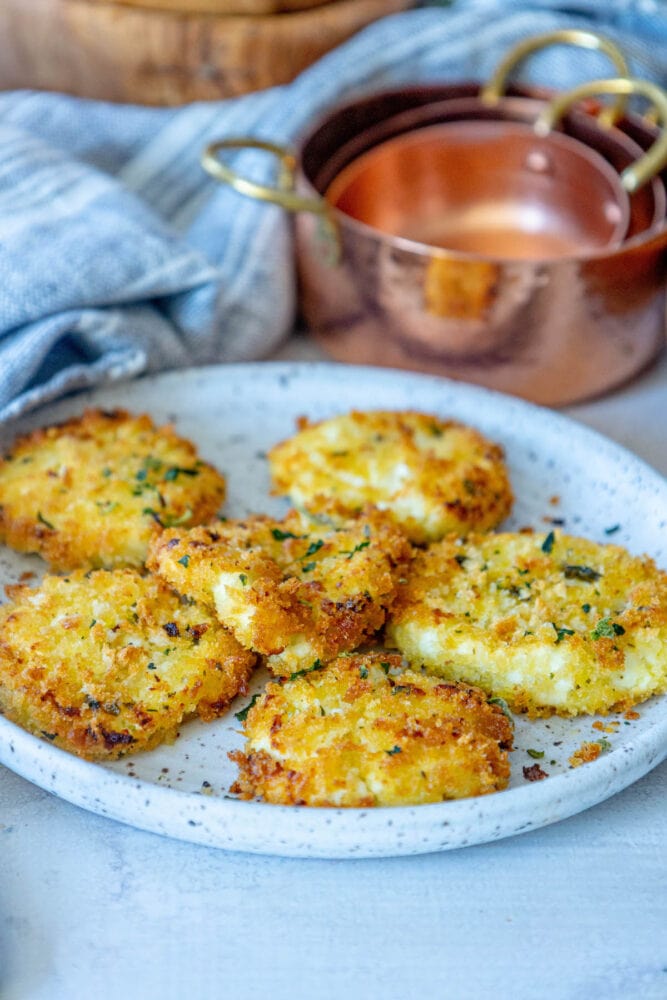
x=486, y=187
x=461, y=289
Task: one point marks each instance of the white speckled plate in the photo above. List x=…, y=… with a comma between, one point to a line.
x=234, y=413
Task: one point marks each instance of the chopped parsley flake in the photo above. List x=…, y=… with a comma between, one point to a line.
x=317, y=665
x=42, y=519
x=357, y=548
x=105, y=506
x=607, y=629
x=280, y=536
x=535, y=754
x=176, y=470
x=184, y=561
x=243, y=714
x=363, y=673
x=581, y=573
x=548, y=543
x=612, y=531
x=561, y=632
x=394, y=750
x=243, y=578
x=503, y=706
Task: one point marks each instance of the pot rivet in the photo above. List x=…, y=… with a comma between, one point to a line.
x=539, y=162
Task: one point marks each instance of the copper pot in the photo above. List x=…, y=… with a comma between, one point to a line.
x=555, y=310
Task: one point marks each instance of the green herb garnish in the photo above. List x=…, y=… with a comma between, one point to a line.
x=184, y=561
x=535, y=754
x=317, y=665
x=503, y=706
x=581, y=573
x=561, y=632
x=394, y=750
x=243, y=714
x=548, y=543
x=42, y=519
x=357, y=548
x=607, y=629
x=177, y=470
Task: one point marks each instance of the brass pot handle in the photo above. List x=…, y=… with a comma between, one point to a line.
x=495, y=88
x=283, y=194
x=648, y=165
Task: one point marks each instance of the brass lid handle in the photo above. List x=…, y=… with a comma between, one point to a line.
x=648, y=165
x=495, y=88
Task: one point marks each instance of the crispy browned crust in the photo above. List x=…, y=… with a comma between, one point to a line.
x=363, y=732
x=93, y=490
x=294, y=591
x=112, y=662
x=433, y=475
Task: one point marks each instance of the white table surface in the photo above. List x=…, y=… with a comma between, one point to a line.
x=577, y=910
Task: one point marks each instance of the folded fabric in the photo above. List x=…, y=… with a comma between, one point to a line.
x=119, y=255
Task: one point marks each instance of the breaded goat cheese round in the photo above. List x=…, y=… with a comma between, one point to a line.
x=92, y=491
x=362, y=732
x=550, y=623
x=293, y=590
x=111, y=662
x=434, y=475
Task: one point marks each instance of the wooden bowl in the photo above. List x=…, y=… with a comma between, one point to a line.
x=139, y=51
x=222, y=6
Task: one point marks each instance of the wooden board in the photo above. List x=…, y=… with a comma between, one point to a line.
x=117, y=52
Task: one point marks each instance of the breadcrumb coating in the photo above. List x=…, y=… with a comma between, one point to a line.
x=550, y=623
x=434, y=475
x=91, y=492
x=111, y=662
x=363, y=732
x=293, y=590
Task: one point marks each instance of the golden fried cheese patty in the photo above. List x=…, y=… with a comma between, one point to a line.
x=362, y=732
x=550, y=623
x=434, y=475
x=293, y=590
x=92, y=491
x=111, y=662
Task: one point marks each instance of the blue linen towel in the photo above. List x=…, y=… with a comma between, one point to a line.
x=119, y=256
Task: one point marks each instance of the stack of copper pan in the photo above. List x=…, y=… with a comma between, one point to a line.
x=516, y=239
